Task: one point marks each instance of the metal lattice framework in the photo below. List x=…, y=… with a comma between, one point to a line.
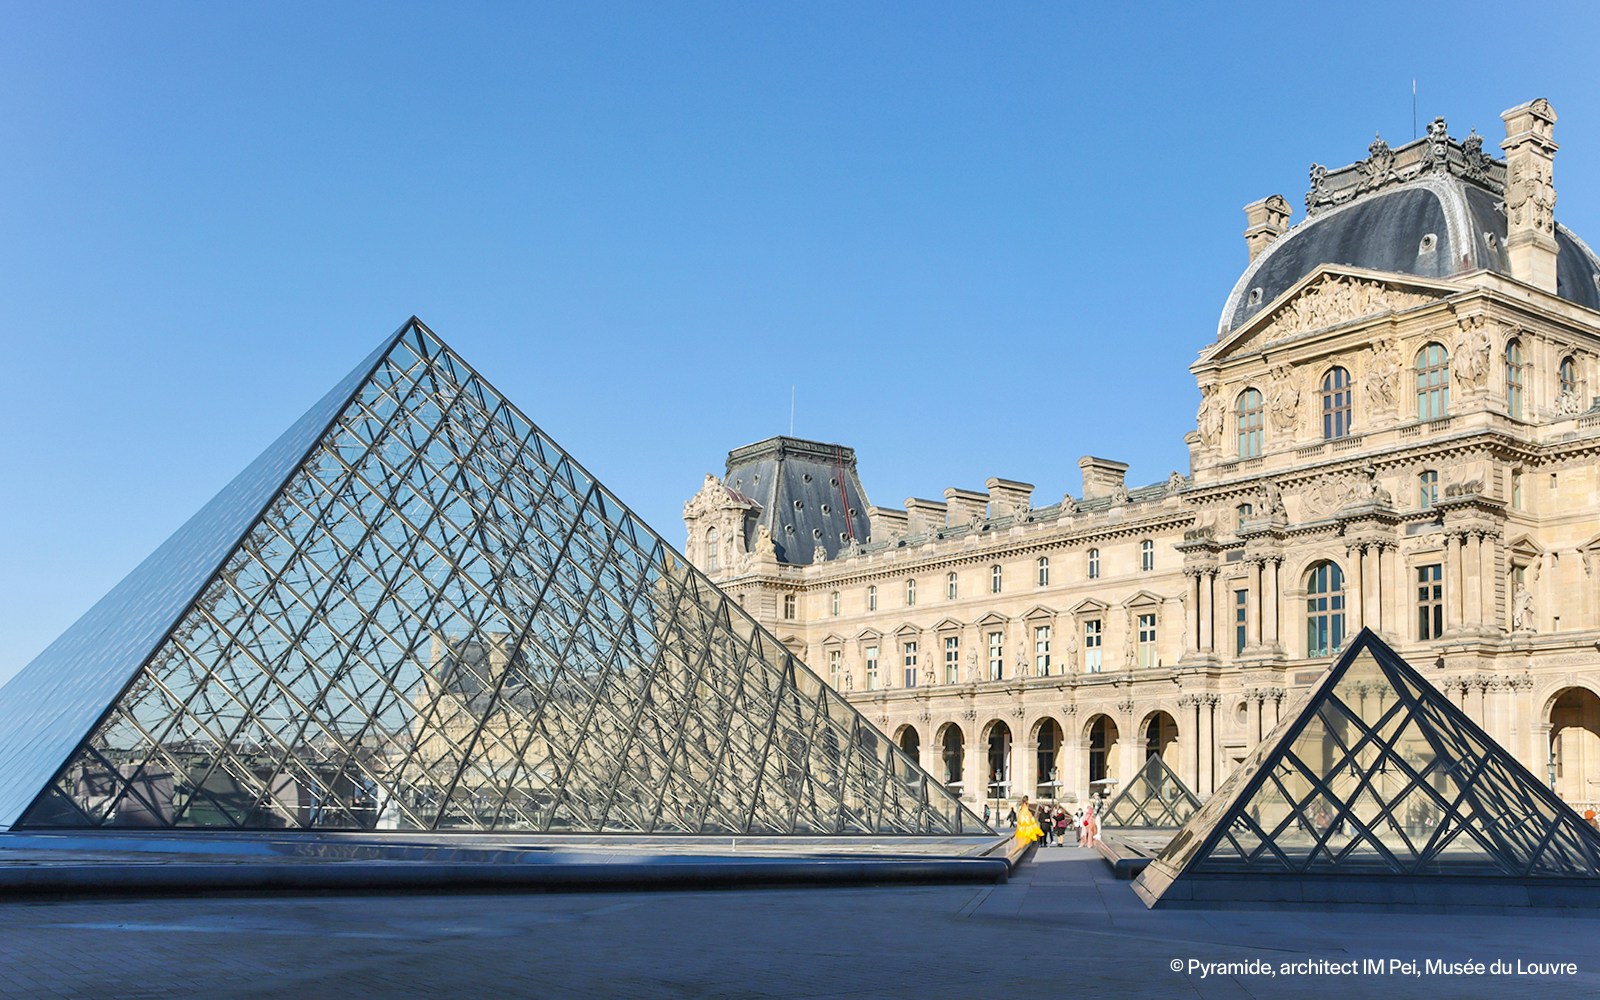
x=1379, y=774
x=438, y=620
x=1156, y=798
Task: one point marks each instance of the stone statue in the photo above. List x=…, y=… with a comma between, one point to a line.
x=1567, y=403
x=1373, y=489
x=1522, y=610
x=1271, y=500
x=1068, y=505
x=1382, y=372
x=972, y=668
x=849, y=680
x=1283, y=400
x=1210, y=417
x=1472, y=355
x=1174, y=482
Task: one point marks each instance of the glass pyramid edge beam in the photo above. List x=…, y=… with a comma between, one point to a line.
x=63, y=693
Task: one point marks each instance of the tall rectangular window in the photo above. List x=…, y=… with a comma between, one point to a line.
x=1147, y=640
x=835, y=668
x=1433, y=382
x=1147, y=555
x=872, y=668
x=997, y=656
x=1041, y=651
x=950, y=586
x=1044, y=571
x=1427, y=489
x=1093, y=648
x=1241, y=608
x=1094, y=564
x=789, y=603
x=1430, y=601
x=1336, y=404
x=952, y=659
x=1251, y=413
x=996, y=577
x=911, y=664
x=833, y=604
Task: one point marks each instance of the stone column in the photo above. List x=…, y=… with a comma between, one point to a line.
x=1472, y=570
x=1208, y=742
x=1024, y=764
x=1188, y=766
x=975, y=763
x=1191, y=611
x=1129, y=740
x=1257, y=597
x=1355, y=589
x=1371, y=588
x=1205, y=584
x=1270, y=602
x=1452, y=584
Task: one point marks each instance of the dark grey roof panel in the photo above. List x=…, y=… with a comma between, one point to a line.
x=1383, y=233
x=809, y=494
x=1577, y=271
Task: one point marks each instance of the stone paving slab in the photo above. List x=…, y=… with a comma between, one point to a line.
x=1062, y=924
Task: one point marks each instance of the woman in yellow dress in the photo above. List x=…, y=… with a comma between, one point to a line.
x=1027, y=827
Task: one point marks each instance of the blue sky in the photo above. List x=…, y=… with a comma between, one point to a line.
x=978, y=240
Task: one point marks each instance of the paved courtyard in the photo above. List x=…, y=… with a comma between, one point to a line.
x=1062, y=924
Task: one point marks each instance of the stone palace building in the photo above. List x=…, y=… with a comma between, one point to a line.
x=1397, y=431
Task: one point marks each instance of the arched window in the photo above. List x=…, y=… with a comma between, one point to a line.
x=1567, y=388
x=1433, y=382
x=1250, y=420
x=1094, y=564
x=911, y=592
x=1516, y=378
x=1335, y=404
x=1147, y=555
x=713, y=555
x=1427, y=488
x=950, y=586
x=1044, y=571
x=1324, y=610
x=872, y=598
x=996, y=577
x=1245, y=512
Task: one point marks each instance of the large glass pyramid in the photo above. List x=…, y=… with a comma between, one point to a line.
x=1156, y=798
x=1378, y=774
x=414, y=611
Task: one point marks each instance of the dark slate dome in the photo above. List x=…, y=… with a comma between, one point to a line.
x=1433, y=208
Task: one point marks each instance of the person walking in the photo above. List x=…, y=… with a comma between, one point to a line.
x=1027, y=827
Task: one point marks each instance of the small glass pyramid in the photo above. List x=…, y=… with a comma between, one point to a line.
x=416, y=612
x=1378, y=774
x=1156, y=799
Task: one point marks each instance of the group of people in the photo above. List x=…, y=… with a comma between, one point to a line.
x=1051, y=824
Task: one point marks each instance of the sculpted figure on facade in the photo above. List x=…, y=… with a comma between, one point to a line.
x=1069, y=506
x=1211, y=416
x=1283, y=399
x=1522, y=610
x=1473, y=348
x=1530, y=196
x=1383, y=372
x=1174, y=483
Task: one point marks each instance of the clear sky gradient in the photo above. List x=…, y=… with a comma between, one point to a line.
x=978, y=240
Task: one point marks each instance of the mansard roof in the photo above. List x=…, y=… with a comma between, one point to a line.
x=1433, y=208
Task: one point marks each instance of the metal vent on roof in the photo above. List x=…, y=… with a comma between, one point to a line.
x=1490, y=240
x=1255, y=296
x=1429, y=242
x=799, y=505
x=826, y=509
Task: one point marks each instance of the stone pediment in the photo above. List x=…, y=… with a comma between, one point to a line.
x=1329, y=297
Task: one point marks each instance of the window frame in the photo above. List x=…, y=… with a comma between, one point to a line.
x=1250, y=413
x=1338, y=401
x=1432, y=369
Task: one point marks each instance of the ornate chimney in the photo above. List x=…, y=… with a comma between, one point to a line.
x=1101, y=476
x=1265, y=221
x=1531, y=193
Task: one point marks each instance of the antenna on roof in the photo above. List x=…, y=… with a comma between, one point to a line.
x=1413, y=107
